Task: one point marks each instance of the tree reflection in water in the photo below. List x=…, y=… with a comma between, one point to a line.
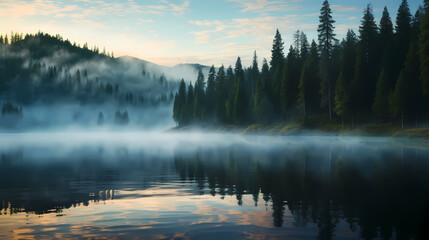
x=383, y=191
x=379, y=190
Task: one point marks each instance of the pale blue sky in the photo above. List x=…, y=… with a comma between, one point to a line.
x=169, y=32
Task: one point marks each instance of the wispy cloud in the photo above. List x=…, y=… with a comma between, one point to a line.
x=258, y=28
x=342, y=8
x=352, y=18
x=205, y=22
x=205, y=36
x=87, y=9
x=264, y=5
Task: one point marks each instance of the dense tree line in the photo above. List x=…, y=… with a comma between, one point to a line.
x=380, y=74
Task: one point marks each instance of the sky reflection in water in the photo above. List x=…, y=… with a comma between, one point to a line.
x=187, y=186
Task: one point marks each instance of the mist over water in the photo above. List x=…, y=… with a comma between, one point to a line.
x=72, y=117
x=194, y=185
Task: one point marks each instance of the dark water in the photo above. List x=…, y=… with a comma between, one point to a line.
x=191, y=186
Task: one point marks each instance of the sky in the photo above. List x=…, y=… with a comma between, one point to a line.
x=169, y=32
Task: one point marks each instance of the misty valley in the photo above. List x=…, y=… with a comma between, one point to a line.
x=48, y=82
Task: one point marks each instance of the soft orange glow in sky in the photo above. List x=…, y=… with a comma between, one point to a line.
x=169, y=32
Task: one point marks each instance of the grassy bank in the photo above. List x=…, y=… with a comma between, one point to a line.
x=314, y=126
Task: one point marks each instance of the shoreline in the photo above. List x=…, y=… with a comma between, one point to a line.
x=288, y=128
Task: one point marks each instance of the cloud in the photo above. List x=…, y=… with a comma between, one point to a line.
x=352, y=18
x=205, y=22
x=17, y=9
x=264, y=5
x=242, y=36
x=87, y=9
x=141, y=21
x=259, y=28
x=204, y=36
x=342, y=8
x=178, y=8
x=90, y=23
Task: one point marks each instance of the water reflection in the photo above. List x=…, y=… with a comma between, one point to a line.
x=234, y=187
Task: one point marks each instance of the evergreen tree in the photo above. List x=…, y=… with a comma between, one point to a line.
x=403, y=33
x=199, y=101
x=236, y=75
x=240, y=100
x=189, y=109
x=386, y=28
x=221, y=95
x=342, y=88
x=381, y=102
x=277, y=55
x=405, y=100
x=277, y=63
x=238, y=71
x=349, y=56
x=304, y=48
x=308, y=96
x=255, y=73
x=229, y=105
x=257, y=98
x=327, y=39
x=254, y=79
x=261, y=103
x=210, y=94
x=176, y=108
x=326, y=31
x=342, y=98
x=386, y=80
x=424, y=49
x=366, y=68
x=264, y=109
x=290, y=82
x=240, y=114
x=416, y=23
x=179, y=110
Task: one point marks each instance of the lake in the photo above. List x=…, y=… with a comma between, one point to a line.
x=148, y=185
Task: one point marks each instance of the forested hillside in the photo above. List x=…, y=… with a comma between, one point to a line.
x=380, y=74
x=47, y=68
x=46, y=81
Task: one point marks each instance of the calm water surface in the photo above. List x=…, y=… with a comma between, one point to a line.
x=211, y=186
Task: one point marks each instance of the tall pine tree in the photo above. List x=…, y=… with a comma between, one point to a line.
x=240, y=107
x=386, y=80
x=405, y=100
x=386, y=28
x=262, y=106
x=210, y=94
x=221, y=95
x=254, y=78
x=308, y=96
x=342, y=87
x=326, y=38
x=290, y=82
x=229, y=105
x=188, y=114
x=199, y=101
x=276, y=70
x=403, y=33
x=366, y=68
x=424, y=49
x=180, y=103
